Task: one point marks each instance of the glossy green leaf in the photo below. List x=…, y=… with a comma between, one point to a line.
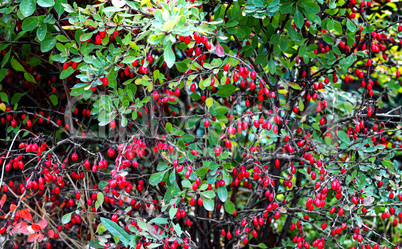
x=45, y=3
x=27, y=7
x=229, y=207
x=41, y=32
x=115, y=229
x=156, y=178
x=47, y=44
x=30, y=23
x=169, y=55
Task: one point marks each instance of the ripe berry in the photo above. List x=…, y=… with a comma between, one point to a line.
x=111, y=152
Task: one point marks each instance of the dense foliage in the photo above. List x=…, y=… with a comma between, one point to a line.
x=200, y=124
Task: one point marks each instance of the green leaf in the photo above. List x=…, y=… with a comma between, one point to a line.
x=4, y=97
x=62, y=38
x=299, y=19
x=129, y=59
x=27, y=7
x=59, y=7
x=95, y=244
x=99, y=200
x=29, y=77
x=283, y=44
x=225, y=90
x=69, y=71
x=4, y=62
x=328, y=39
x=208, y=194
x=102, y=184
x=54, y=99
x=272, y=66
x=327, y=140
x=169, y=55
x=16, y=97
x=115, y=229
x=207, y=203
x=16, y=65
x=156, y=178
x=344, y=137
x=387, y=163
x=311, y=7
x=172, y=212
x=169, y=127
x=350, y=25
x=161, y=166
x=302, y=50
x=209, y=102
x=47, y=44
x=30, y=23
x=222, y=193
x=66, y=218
x=45, y=3
x=188, y=138
x=159, y=220
x=229, y=207
x=262, y=245
x=41, y=32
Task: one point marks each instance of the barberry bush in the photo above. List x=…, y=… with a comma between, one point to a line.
x=200, y=124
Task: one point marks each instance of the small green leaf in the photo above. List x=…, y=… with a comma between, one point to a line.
x=16, y=97
x=41, y=32
x=350, y=25
x=169, y=127
x=4, y=97
x=29, y=77
x=209, y=102
x=208, y=194
x=169, y=55
x=387, y=163
x=30, y=23
x=272, y=66
x=225, y=90
x=159, y=220
x=344, y=137
x=3, y=63
x=229, y=207
x=188, y=138
x=156, y=178
x=16, y=65
x=207, y=203
x=302, y=50
x=283, y=44
x=47, y=44
x=66, y=218
x=299, y=19
x=45, y=3
x=102, y=184
x=27, y=7
x=115, y=229
x=222, y=193
x=69, y=71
